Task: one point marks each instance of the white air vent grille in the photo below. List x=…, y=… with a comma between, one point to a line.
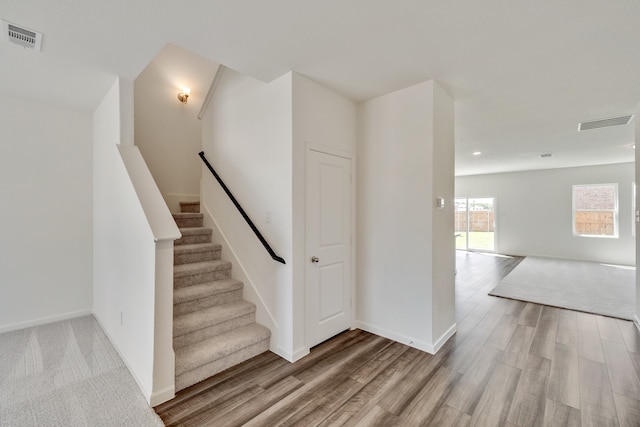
x=21, y=36
x=614, y=121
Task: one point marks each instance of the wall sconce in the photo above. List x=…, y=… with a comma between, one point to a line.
x=184, y=95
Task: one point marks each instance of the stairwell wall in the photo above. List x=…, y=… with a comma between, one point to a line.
x=247, y=137
x=133, y=257
x=46, y=214
x=168, y=132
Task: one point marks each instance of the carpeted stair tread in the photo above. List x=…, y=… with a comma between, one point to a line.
x=196, y=252
x=212, y=349
x=191, y=293
x=213, y=326
x=215, y=367
x=192, y=231
x=189, y=206
x=187, y=215
x=192, y=235
x=188, y=219
x=196, y=248
x=200, y=268
x=201, y=319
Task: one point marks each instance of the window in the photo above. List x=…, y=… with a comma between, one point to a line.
x=475, y=224
x=595, y=210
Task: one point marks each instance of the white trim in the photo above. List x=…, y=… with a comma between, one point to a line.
x=162, y=396
x=445, y=337
x=319, y=148
x=237, y=261
x=212, y=89
x=329, y=150
x=411, y=342
x=636, y=322
x=45, y=320
x=291, y=357
x=141, y=385
x=616, y=211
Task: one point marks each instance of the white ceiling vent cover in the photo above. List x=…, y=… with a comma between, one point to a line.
x=21, y=36
x=614, y=121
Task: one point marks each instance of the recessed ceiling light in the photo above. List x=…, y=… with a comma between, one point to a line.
x=633, y=146
x=544, y=155
x=477, y=153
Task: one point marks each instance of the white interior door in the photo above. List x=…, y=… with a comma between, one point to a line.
x=328, y=287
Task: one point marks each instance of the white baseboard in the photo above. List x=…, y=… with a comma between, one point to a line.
x=162, y=396
x=411, y=342
x=141, y=384
x=291, y=357
x=44, y=320
x=445, y=337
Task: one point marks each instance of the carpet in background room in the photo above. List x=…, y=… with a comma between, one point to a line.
x=604, y=289
x=67, y=374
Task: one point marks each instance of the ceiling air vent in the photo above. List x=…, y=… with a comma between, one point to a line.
x=21, y=36
x=614, y=121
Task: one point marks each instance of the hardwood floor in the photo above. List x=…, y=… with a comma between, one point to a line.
x=510, y=364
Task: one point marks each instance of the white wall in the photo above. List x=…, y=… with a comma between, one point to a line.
x=128, y=264
x=401, y=149
x=442, y=222
x=247, y=136
x=45, y=214
x=324, y=120
x=637, y=223
x=168, y=132
x=534, y=214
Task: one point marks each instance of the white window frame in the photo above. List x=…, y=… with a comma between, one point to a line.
x=615, y=211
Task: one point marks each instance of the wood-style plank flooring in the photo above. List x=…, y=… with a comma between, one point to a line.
x=510, y=364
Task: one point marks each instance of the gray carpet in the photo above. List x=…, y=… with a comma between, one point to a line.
x=583, y=286
x=67, y=374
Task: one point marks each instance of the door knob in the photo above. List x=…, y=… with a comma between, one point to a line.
x=315, y=259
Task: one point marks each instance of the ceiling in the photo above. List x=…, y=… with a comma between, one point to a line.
x=522, y=73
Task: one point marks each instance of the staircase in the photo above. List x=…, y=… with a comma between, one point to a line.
x=213, y=327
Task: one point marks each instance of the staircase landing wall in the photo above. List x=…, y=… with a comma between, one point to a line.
x=133, y=254
x=247, y=138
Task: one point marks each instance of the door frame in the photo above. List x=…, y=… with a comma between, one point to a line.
x=347, y=155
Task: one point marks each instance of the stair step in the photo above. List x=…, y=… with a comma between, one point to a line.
x=190, y=207
x=200, y=325
x=194, y=235
x=196, y=252
x=188, y=219
x=201, y=360
x=200, y=272
x=204, y=290
x=199, y=297
x=213, y=327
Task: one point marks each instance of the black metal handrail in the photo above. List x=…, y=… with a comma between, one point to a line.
x=242, y=212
